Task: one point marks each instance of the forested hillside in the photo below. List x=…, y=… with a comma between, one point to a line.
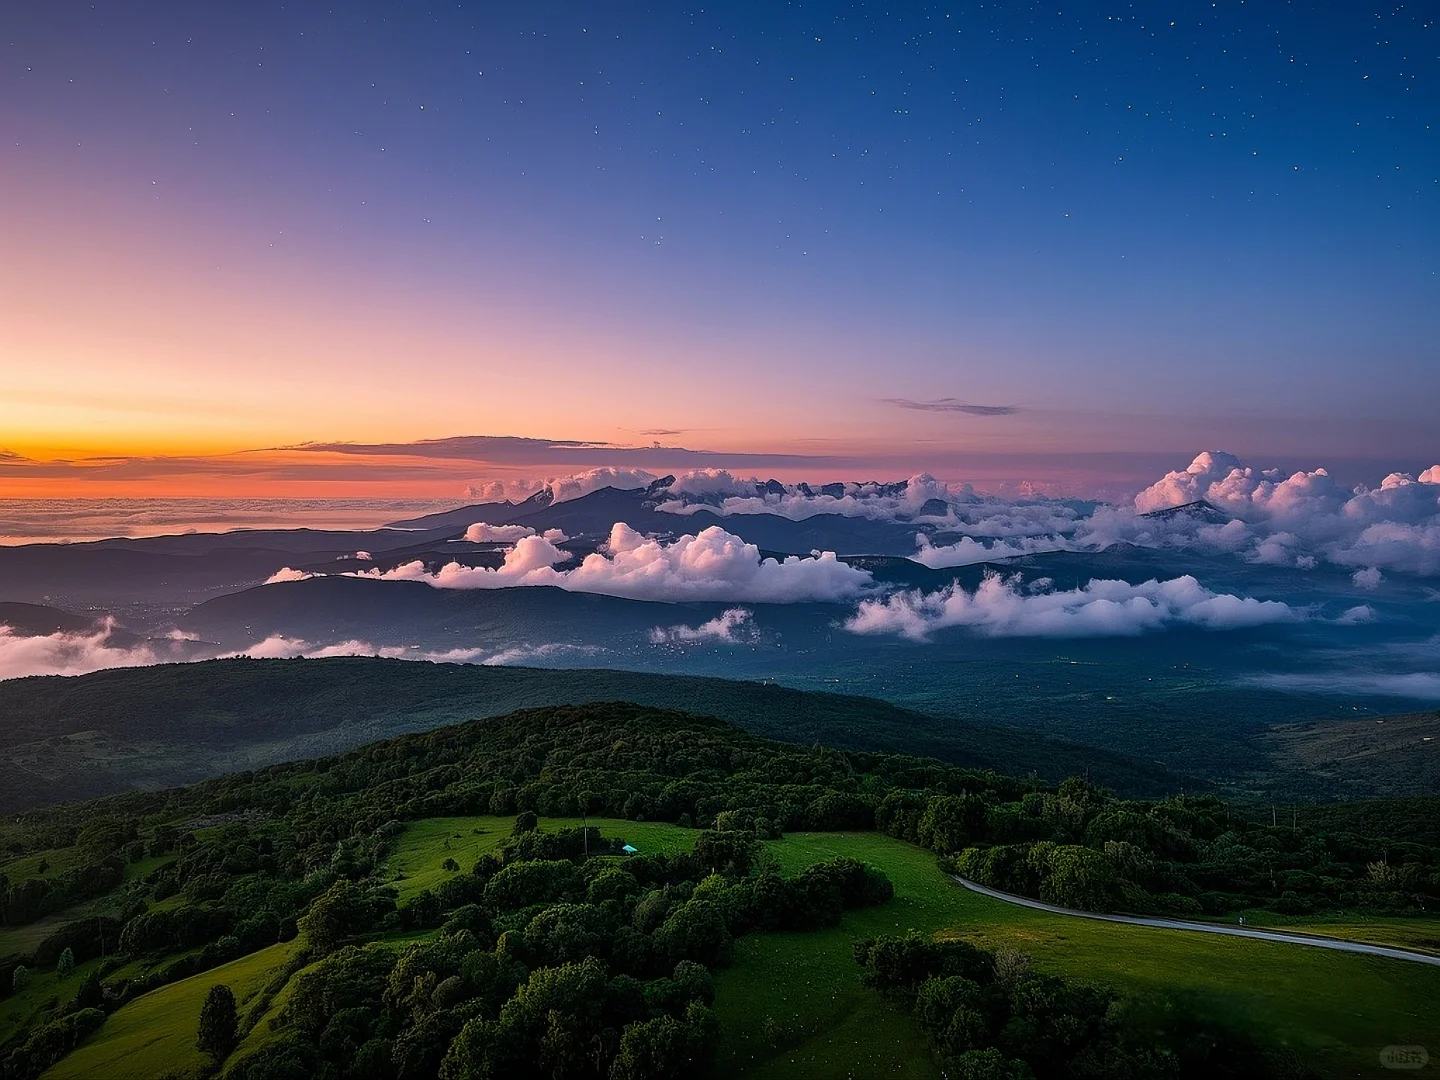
x=111, y=731
x=554, y=956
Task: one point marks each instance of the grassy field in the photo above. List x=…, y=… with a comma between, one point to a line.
x=23, y=939
x=792, y=1003
x=415, y=864
x=154, y=1035
x=1422, y=935
x=55, y=862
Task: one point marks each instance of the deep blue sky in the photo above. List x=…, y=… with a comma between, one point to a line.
x=1150, y=227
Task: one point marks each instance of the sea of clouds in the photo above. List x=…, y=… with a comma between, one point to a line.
x=1297, y=519
x=69, y=653
x=1301, y=520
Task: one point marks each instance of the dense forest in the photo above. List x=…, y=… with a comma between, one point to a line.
x=557, y=957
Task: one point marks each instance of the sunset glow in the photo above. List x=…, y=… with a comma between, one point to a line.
x=228, y=235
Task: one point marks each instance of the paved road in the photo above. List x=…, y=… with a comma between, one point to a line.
x=1339, y=944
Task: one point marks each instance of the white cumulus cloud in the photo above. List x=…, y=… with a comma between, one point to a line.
x=999, y=608
x=711, y=565
x=519, y=655
x=1298, y=520
x=723, y=493
x=288, y=574
x=68, y=653
x=559, y=488
x=728, y=627
x=577, y=485
x=481, y=533
x=968, y=551
x=281, y=647
x=1369, y=578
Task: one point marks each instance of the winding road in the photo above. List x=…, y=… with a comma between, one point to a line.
x=1338, y=944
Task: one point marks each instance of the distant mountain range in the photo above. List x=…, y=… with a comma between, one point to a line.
x=187, y=568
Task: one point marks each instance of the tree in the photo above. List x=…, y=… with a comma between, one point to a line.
x=1077, y=877
x=531, y=882
x=91, y=994
x=567, y=933
x=656, y=1049
x=951, y=823
x=218, y=1022
x=450, y=865
x=65, y=966
x=102, y=836
x=988, y=1064
x=333, y=915
x=696, y=930
x=731, y=853
x=525, y=821
x=612, y=883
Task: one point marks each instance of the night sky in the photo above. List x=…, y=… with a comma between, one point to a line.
x=765, y=228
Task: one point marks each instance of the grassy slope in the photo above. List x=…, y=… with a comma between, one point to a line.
x=56, y=862
x=792, y=1003
x=154, y=1035
x=1336, y=1009
x=1422, y=935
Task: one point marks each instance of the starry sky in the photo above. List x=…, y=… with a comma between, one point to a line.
x=817, y=239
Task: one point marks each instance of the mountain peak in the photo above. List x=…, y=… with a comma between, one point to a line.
x=1200, y=509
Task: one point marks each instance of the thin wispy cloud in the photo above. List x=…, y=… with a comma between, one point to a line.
x=953, y=405
x=518, y=450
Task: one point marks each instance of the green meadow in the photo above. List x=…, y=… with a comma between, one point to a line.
x=1420, y=935
x=417, y=862
x=792, y=1004
x=154, y=1035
